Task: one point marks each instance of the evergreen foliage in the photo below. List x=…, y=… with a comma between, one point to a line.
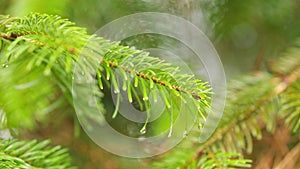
x=32, y=155
x=256, y=102
x=38, y=54
x=44, y=49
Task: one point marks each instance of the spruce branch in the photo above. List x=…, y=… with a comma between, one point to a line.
x=32, y=155
x=147, y=77
x=3, y=121
x=229, y=128
x=40, y=51
x=280, y=85
x=290, y=109
x=47, y=48
x=247, y=113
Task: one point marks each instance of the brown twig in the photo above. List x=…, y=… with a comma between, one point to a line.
x=13, y=36
x=147, y=77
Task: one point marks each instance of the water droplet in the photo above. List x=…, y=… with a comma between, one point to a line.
x=5, y=65
x=170, y=133
x=130, y=100
x=185, y=134
x=116, y=91
x=200, y=126
x=143, y=130
x=124, y=88
x=145, y=98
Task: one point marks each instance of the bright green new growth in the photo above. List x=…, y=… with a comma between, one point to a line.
x=32, y=155
x=44, y=49
x=38, y=54
x=48, y=47
x=139, y=73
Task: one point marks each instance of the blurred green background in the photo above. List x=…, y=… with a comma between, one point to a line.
x=246, y=34
x=243, y=32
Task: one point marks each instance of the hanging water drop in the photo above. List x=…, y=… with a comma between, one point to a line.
x=117, y=106
x=185, y=134
x=170, y=133
x=200, y=126
x=143, y=130
x=5, y=65
x=124, y=87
